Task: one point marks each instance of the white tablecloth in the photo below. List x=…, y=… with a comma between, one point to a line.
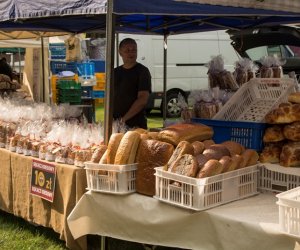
x=251, y=223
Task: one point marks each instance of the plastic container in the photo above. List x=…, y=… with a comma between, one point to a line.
x=86, y=73
x=276, y=178
x=67, y=84
x=59, y=66
x=108, y=178
x=98, y=94
x=100, y=81
x=200, y=194
x=249, y=134
x=255, y=99
x=57, y=51
x=289, y=211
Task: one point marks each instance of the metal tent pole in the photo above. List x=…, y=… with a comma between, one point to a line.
x=165, y=80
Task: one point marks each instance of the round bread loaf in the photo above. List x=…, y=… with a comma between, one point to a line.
x=210, y=168
x=294, y=97
x=251, y=157
x=198, y=147
x=185, y=165
x=216, y=151
x=234, y=148
x=292, y=131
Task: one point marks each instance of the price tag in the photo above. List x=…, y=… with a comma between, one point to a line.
x=43, y=176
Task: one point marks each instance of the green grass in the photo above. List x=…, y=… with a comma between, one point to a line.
x=17, y=234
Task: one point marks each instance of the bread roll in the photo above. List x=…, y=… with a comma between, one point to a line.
x=294, y=97
x=185, y=132
x=251, y=157
x=127, y=149
x=234, y=148
x=112, y=147
x=239, y=162
x=216, y=151
x=185, y=165
x=150, y=154
x=210, y=168
x=227, y=164
x=208, y=143
x=270, y=153
x=198, y=147
x=182, y=148
x=292, y=131
x=290, y=155
x=273, y=134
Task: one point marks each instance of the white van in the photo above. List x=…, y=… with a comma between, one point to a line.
x=187, y=56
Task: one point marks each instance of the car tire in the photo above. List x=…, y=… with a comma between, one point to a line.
x=173, y=110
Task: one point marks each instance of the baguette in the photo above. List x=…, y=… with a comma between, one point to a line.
x=112, y=147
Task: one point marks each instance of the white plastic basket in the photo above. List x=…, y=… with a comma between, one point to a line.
x=109, y=178
x=255, y=99
x=276, y=178
x=204, y=193
x=289, y=211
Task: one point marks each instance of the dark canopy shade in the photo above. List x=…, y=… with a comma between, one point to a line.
x=134, y=16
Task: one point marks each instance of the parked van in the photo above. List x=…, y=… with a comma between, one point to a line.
x=187, y=56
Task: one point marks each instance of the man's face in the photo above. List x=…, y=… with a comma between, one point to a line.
x=128, y=52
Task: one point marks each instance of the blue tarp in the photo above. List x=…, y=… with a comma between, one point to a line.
x=133, y=16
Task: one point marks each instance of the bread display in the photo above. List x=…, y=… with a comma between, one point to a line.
x=290, y=155
x=234, y=148
x=182, y=148
x=273, y=134
x=210, y=168
x=112, y=147
x=150, y=154
x=186, y=165
x=185, y=132
x=216, y=151
x=292, y=131
x=127, y=149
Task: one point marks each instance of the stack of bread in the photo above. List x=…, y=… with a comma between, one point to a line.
x=282, y=138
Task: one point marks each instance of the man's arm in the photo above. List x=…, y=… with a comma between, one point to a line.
x=137, y=106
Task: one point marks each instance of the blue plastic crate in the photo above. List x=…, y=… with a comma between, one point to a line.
x=249, y=134
x=99, y=65
x=58, y=66
x=86, y=92
x=58, y=50
x=98, y=94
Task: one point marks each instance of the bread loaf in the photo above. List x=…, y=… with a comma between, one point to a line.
x=292, y=131
x=294, y=97
x=286, y=114
x=98, y=153
x=185, y=165
x=227, y=164
x=182, y=148
x=201, y=159
x=234, y=148
x=198, y=147
x=270, y=153
x=216, y=151
x=127, y=149
x=150, y=154
x=210, y=168
x=112, y=147
x=290, y=155
x=251, y=157
x=273, y=134
x=240, y=162
x=185, y=132
x=208, y=143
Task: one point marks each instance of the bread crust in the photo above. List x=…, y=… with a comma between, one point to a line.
x=186, y=165
x=234, y=148
x=112, y=147
x=216, y=151
x=211, y=167
x=184, y=147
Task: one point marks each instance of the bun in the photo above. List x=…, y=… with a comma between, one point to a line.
x=210, y=168
x=270, y=153
x=182, y=148
x=234, y=148
x=127, y=149
x=112, y=147
x=273, y=134
x=198, y=147
x=185, y=132
x=150, y=154
x=185, y=165
x=290, y=155
x=251, y=157
x=294, y=97
x=292, y=131
x=216, y=151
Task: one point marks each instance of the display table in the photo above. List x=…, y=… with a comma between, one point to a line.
x=251, y=223
x=15, y=197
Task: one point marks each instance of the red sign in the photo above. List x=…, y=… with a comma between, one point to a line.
x=43, y=177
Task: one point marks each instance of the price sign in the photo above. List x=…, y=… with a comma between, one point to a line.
x=43, y=176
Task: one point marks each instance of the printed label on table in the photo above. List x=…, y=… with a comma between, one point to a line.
x=43, y=176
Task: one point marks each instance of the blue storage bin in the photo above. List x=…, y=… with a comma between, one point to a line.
x=59, y=66
x=99, y=65
x=98, y=94
x=86, y=92
x=57, y=50
x=249, y=134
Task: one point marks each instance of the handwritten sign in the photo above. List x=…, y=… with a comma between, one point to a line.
x=43, y=176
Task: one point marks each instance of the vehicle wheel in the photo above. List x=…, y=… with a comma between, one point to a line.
x=173, y=110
